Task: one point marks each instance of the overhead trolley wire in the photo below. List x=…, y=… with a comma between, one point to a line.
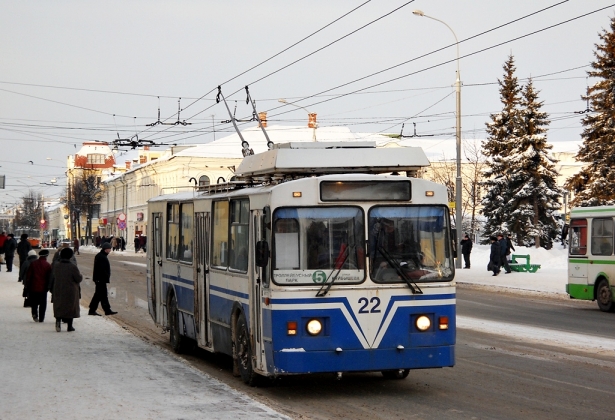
x=426, y=55
x=265, y=61
x=447, y=61
x=451, y=60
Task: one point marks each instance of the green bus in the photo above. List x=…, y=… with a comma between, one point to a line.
x=591, y=263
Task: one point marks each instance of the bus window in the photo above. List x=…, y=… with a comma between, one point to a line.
x=219, y=248
x=413, y=238
x=317, y=240
x=578, y=236
x=286, y=234
x=602, y=236
x=172, y=230
x=240, y=221
x=186, y=242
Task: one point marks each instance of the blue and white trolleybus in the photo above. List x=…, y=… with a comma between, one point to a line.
x=321, y=258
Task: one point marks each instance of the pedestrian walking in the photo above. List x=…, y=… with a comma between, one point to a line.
x=509, y=247
x=466, y=249
x=3, y=238
x=22, y=248
x=76, y=246
x=494, y=256
x=503, y=250
x=122, y=243
x=142, y=242
x=32, y=256
x=10, y=245
x=101, y=276
x=66, y=290
x=36, y=284
x=24, y=267
x=137, y=246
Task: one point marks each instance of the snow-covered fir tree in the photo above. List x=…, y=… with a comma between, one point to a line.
x=502, y=130
x=595, y=183
x=532, y=180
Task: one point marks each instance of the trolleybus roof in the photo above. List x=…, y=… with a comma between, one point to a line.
x=321, y=158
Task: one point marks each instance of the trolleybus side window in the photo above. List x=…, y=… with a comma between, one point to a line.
x=240, y=235
x=186, y=243
x=219, y=247
x=412, y=239
x=578, y=236
x=602, y=236
x=172, y=230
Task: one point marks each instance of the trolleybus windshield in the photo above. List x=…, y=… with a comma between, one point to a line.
x=415, y=237
x=310, y=242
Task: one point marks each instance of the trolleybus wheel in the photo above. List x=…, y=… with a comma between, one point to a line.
x=604, y=296
x=244, y=352
x=396, y=373
x=178, y=342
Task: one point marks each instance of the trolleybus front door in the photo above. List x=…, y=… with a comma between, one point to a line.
x=259, y=285
x=155, y=265
x=202, y=278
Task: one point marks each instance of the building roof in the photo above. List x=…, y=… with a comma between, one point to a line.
x=230, y=146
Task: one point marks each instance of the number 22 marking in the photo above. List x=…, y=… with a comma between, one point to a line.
x=363, y=309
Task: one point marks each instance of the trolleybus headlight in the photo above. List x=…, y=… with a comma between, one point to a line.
x=423, y=323
x=314, y=327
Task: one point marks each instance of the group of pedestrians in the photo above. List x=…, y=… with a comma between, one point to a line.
x=61, y=277
x=501, y=248
x=118, y=243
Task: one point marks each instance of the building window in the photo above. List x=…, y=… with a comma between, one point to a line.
x=96, y=159
x=142, y=159
x=203, y=181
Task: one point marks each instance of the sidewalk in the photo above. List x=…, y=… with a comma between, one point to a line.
x=100, y=371
x=551, y=278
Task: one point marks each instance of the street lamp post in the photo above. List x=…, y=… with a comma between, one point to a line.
x=458, y=183
x=284, y=101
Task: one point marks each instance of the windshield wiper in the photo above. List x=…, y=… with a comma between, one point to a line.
x=413, y=286
x=327, y=285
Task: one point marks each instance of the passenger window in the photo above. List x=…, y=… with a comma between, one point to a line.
x=172, y=231
x=186, y=243
x=240, y=235
x=602, y=237
x=219, y=257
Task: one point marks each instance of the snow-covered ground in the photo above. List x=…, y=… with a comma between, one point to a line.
x=550, y=278
x=100, y=371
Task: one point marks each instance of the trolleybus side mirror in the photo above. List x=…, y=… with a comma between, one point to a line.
x=262, y=253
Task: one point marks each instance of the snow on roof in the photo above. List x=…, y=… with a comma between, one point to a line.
x=95, y=148
x=230, y=146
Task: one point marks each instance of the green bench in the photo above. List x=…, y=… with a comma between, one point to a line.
x=515, y=265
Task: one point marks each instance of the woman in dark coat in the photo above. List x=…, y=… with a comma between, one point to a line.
x=66, y=290
x=494, y=257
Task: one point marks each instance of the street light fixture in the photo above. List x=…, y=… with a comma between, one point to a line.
x=284, y=101
x=458, y=184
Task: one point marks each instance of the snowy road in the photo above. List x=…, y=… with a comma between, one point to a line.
x=529, y=353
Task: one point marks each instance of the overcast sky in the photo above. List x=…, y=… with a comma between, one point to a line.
x=75, y=71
